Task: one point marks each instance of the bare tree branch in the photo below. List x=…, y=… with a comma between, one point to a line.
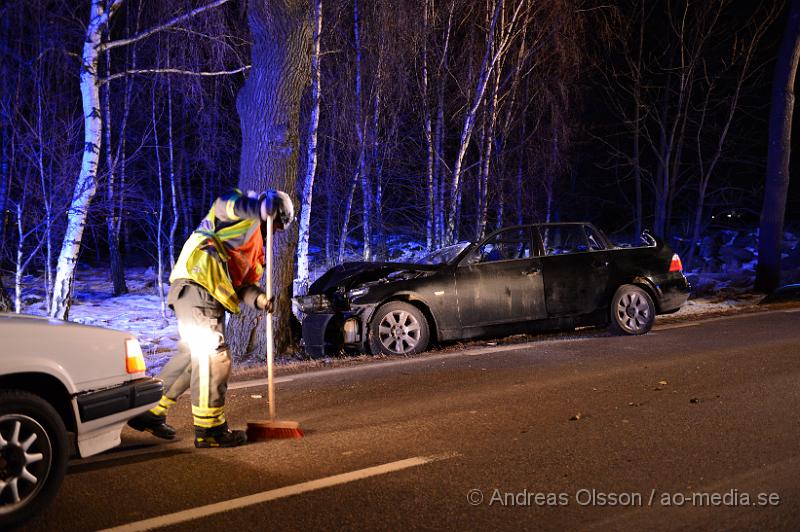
x=156, y=29
x=174, y=71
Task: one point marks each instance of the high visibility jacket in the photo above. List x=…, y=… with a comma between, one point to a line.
x=226, y=252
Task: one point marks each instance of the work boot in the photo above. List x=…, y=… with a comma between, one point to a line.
x=218, y=437
x=154, y=424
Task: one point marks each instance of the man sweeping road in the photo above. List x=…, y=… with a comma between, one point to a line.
x=219, y=267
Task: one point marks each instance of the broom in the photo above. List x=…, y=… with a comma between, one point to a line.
x=271, y=428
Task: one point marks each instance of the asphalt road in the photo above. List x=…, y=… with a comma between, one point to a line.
x=677, y=429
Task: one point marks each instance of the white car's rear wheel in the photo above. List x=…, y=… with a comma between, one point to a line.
x=33, y=455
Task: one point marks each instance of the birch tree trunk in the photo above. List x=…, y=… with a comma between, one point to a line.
x=637, y=125
x=439, y=170
x=329, y=190
x=269, y=110
x=85, y=186
x=47, y=201
x=768, y=272
x=366, y=189
x=348, y=208
x=490, y=62
x=301, y=281
x=377, y=165
x=430, y=215
x=160, y=212
x=119, y=286
x=491, y=115
x=172, y=185
x=5, y=177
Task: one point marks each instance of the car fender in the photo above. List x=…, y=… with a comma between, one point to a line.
x=10, y=366
x=405, y=295
x=650, y=286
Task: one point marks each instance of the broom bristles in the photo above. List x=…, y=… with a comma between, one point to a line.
x=272, y=430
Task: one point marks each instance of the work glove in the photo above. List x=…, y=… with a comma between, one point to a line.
x=279, y=205
x=265, y=303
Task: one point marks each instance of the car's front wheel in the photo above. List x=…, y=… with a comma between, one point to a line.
x=398, y=328
x=33, y=455
x=632, y=310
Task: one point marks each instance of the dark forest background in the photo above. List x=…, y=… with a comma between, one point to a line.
x=439, y=120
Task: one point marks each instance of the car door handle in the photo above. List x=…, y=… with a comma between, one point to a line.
x=599, y=264
x=535, y=270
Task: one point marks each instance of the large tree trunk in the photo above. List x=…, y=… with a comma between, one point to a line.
x=269, y=110
x=85, y=186
x=768, y=273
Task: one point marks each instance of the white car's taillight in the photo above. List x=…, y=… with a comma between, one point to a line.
x=676, y=265
x=134, y=360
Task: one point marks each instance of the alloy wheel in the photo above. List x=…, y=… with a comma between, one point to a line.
x=633, y=312
x=26, y=454
x=399, y=332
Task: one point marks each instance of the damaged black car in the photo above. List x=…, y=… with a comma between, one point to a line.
x=517, y=280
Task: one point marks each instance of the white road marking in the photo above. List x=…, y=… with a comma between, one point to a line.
x=792, y=311
x=279, y=493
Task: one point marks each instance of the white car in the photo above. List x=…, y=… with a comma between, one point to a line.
x=65, y=389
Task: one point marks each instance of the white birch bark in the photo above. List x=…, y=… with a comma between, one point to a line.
x=301, y=280
x=366, y=189
x=85, y=186
x=439, y=173
x=47, y=203
x=430, y=222
x=160, y=218
x=490, y=61
x=172, y=185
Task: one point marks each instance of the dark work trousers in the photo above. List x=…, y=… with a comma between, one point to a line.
x=203, y=360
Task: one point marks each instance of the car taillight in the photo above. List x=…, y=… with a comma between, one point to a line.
x=675, y=265
x=134, y=360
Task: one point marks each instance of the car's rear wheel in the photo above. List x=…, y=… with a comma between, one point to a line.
x=33, y=455
x=632, y=310
x=398, y=328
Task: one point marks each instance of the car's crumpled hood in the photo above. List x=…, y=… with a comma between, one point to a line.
x=352, y=274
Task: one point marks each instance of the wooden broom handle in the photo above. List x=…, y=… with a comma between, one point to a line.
x=270, y=348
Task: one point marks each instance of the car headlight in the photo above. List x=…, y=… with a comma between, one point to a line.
x=313, y=303
x=357, y=292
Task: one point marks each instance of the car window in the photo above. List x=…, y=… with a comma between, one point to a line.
x=563, y=239
x=595, y=241
x=513, y=244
